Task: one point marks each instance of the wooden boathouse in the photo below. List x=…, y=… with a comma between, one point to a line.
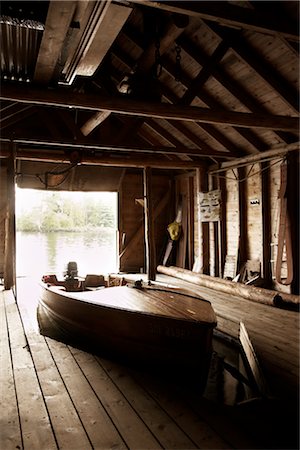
x=189, y=111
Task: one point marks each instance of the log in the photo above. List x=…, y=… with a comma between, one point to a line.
x=256, y=294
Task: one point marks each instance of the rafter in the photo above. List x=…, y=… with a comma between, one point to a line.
x=66, y=99
x=203, y=76
x=265, y=70
x=40, y=154
x=57, y=24
x=226, y=13
x=236, y=88
x=216, y=105
x=144, y=63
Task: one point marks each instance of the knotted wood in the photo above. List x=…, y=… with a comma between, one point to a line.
x=256, y=294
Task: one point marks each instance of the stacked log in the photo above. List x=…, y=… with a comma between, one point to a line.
x=257, y=294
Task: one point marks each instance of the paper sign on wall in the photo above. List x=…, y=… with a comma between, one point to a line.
x=210, y=206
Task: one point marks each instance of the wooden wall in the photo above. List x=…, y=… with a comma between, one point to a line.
x=3, y=211
x=131, y=219
x=250, y=220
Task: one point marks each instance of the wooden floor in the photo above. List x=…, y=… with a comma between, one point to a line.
x=274, y=332
x=57, y=396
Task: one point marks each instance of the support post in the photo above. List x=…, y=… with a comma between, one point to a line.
x=243, y=238
x=266, y=271
x=10, y=228
x=149, y=226
x=203, y=227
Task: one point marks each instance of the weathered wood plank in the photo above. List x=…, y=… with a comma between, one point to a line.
x=89, y=407
x=149, y=224
x=57, y=24
x=131, y=427
x=66, y=424
x=161, y=425
x=191, y=423
x=35, y=423
x=118, y=105
x=229, y=14
x=10, y=434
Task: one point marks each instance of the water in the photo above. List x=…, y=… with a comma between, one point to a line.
x=41, y=253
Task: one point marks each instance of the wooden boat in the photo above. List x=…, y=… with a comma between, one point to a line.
x=142, y=324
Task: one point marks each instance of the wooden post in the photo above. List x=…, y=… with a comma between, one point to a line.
x=214, y=243
x=191, y=212
x=222, y=225
x=149, y=226
x=266, y=271
x=203, y=228
x=243, y=238
x=10, y=228
x=293, y=199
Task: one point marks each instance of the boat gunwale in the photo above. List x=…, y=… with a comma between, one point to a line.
x=66, y=295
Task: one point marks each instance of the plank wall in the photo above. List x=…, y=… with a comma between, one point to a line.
x=242, y=219
x=3, y=203
x=131, y=219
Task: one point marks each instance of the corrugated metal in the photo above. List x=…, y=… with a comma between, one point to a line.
x=19, y=43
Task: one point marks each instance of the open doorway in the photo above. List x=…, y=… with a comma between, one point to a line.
x=55, y=227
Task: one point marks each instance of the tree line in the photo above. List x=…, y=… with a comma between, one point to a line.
x=58, y=213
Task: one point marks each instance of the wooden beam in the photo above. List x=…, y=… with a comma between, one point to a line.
x=12, y=119
x=171, y=33
x=279, y=151
x=58, y=20
x=130, y=246
x=101, y=31
x=228, y=14
x=145, y=62
x=63, y=98
x=110, y=161
x=94, y=122
x=10, y=226
x=241, y=47
x=172, y=98
x=204, y=73
x=266, y=271
x=149, y=225
x=203, y=227
x=216, y=70
x=157, y=150
x=214, y=104
x=243, y=247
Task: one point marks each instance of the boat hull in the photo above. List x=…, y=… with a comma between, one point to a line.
x=143, y=337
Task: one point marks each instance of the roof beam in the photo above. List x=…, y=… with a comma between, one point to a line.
x=216, y=71
x=154, y=150
x=265, y=70
x=103, y=27
x=39, y=154
x=272, y=153
x=58, y=20
x=144, y=63
x=173, y=98
x=228, y=14
x=67, y=99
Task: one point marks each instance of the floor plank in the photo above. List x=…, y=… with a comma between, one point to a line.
x=10, y=434
x=132, y=428
x=35, y=423
x=65, y=421
x=89, y=407
x=71, y=399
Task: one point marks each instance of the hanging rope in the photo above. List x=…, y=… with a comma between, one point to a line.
x=284, y=233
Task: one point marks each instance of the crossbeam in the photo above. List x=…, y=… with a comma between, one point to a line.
x=120, y=105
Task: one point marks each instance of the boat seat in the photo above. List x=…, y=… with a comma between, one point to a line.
x=116, y=281
x=93, y=281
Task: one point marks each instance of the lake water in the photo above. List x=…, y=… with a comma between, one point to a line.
x=40, y=253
